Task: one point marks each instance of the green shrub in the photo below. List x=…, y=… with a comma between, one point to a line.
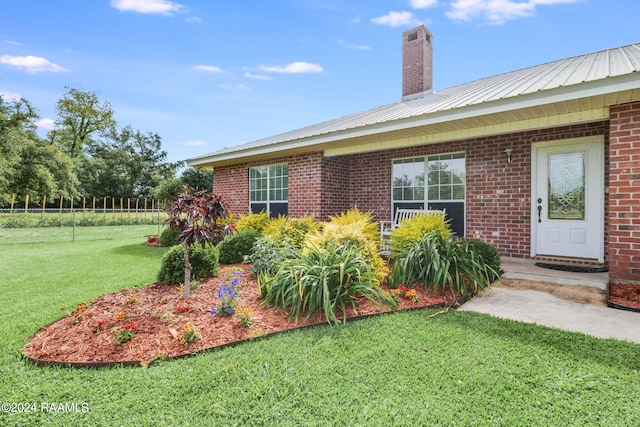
x=489, y=255
x=358, y=231
x=295, y=230
x=413, y=229
x=268, y=254
x=322, y=278
x=253, y=221
x=204, y=263
x=235, y=247
x=168, y=236
x=444, y=263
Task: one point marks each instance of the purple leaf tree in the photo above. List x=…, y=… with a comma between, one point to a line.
x=196, y=213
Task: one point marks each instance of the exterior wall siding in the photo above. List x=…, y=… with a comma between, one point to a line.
x=624, y=194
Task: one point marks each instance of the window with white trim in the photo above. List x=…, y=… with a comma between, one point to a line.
x=432, y=182
x=269, y=189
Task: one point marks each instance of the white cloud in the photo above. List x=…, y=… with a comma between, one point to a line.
x=208, y=68
x=497, y=11
x=396, y=19
x=293, y=68
x=31, y=64
x=152, y=7
x=11, y=42
x=10, y=96
x=46, y=124
x=234, y=86
x=354, y=46
x=422, y=4
x=249, y=75
x=195, y=19
x=194, y=143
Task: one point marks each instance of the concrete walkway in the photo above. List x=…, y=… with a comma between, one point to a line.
x=533, y=306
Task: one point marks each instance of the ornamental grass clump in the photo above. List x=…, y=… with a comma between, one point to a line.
x=326, y=279
x=444, y=263
x=415, y=228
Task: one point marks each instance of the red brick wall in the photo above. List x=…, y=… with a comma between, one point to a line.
x=624, y=194
x=305, y=185
x=336, y=186
x=232, y=183
x=498, y=194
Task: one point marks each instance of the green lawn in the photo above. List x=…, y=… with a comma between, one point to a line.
x=405, y=369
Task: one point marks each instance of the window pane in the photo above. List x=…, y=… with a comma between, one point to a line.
x=445, y=192
x=434, y=194
x=407, y=180
x=269, y=183
x=458, y=192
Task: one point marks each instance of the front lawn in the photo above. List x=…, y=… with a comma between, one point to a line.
x=409, y=368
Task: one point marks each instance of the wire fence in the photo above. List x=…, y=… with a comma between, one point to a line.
x=72, y=215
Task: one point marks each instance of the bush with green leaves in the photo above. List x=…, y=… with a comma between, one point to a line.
x=295, y=230
x=443, y=263
x=489, y=255
x=253, y=221
x=413, y=229
x=235, y=247
x=169, y=236
x=268, y=254
x=204, y=263
x=356, y=229
x=327, y=279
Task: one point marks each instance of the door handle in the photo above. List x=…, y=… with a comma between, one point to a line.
x=539, y=210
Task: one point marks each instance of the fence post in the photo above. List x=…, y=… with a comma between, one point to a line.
x=73, y=222
x=44, y=204
x=13, y=199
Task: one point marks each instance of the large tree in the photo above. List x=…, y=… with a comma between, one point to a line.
x=81, y=117
x=126, y=164
x=29, y=165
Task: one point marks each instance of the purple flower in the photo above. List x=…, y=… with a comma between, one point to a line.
x=228, y=310
x=213, y=311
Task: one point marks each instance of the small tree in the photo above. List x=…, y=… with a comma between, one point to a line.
x=196, y=215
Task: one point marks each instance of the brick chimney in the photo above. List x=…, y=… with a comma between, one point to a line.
x=417, y=63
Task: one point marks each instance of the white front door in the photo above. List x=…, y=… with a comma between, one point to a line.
x=568, y=198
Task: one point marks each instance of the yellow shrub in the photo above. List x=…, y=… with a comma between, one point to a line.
x=294, y=229
x=253, y=221
x=413, y=229
x=359, y=230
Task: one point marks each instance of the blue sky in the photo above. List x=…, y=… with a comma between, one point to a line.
x=207, y=74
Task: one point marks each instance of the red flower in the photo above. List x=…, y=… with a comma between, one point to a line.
x=130, y=326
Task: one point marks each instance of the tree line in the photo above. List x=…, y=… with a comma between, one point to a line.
x=85, y=155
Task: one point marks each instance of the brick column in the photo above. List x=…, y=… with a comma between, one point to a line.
x=624, y=194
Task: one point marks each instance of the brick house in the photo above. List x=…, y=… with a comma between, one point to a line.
x=542, y=162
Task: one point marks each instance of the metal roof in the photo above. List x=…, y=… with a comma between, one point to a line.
x=571, y=73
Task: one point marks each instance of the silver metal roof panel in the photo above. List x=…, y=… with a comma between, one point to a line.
x=566, y=72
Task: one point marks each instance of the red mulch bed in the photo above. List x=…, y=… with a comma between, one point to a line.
x=159, y=313
x=625, y=295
